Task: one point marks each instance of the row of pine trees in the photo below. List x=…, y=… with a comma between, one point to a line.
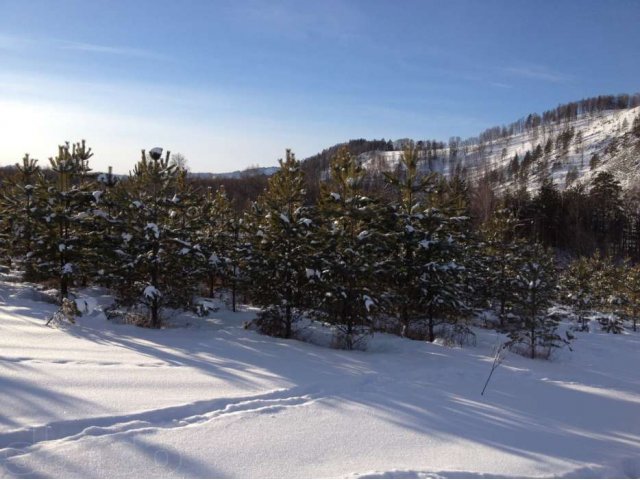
x=414, y=266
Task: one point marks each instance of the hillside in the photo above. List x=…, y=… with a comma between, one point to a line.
x=570, y=147
x=237, y=174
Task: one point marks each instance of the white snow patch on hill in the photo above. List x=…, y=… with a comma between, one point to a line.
x=597, y=131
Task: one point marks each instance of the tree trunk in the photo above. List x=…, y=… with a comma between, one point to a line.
x=287, y=320
x=233, y=295
x=404, y=316
x=64, y=287
x=155, y=305
x=432, y=336
x=533, y=341
x=155, y=320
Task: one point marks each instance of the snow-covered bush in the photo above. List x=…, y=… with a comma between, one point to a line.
x=536, y=332
x=67, y=312
x=138, y=318
x=611, y=324
x=356, y=339
x=457, y=334
x=272, y=321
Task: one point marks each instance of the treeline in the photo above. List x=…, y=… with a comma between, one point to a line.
x=562, y=113
x=410, y=257
x=581, y=220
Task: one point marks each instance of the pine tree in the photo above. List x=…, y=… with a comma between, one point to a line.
x=102, y=227
x=18, y=208
x=239, y=250
x=157, y=253
x=349, y=253
x=580, y=288
x=502, y=261
x=183, y=251
x=604, y=280
x=610, y=292
x=631, y=284
x=606, y=206
x=547, y=206
x=215, y=238
x=409, y=238
x=421, y=271
x=450, y=296
x=514, y=166
x=279, y=265
x=535, y=288
x=59, y=248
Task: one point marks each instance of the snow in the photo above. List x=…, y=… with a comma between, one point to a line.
x=154, y=228
x=213, y=399
x=368, y=302
x=597, y=131
x=311, y=273
x=156, y=151
x=151, y=292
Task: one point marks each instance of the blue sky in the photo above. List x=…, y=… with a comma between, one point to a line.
x=233, y=83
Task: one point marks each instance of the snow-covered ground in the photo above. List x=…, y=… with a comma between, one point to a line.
x=213, y=399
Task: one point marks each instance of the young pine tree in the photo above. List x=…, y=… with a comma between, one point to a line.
x=501, y=261
x=157, y=254
x=420, y=272
x=18, y=207
x=579, y=286
x=59, y=248
x=281, y=238
x=215, y=236
x=349, y=252
x=410, y=241
x=631, y=285
x=535, y=288
x=102, y=221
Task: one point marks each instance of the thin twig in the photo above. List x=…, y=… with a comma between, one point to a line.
x=497, y=360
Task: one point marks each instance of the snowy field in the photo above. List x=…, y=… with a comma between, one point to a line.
x=212, y=399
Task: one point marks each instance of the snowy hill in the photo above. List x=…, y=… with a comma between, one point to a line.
x=209, y=398
x=268, y=171
x=606, y=134
x=567, y=150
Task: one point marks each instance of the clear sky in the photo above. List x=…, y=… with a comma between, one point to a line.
x=233, y=83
